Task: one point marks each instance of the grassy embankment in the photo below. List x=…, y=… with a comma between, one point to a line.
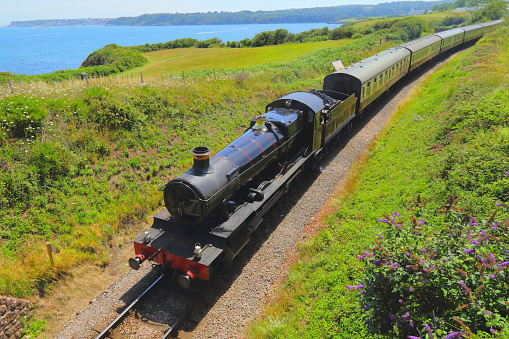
x=450, y=138
x=80, y=166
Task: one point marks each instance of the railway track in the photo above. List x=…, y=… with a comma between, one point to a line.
x=162, y=306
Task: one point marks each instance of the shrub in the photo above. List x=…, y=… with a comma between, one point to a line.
x=441, y=274
x=50, y=161
x=21, y=116
x=109, y=110
x=122, y=58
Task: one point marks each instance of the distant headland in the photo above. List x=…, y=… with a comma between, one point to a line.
x=333, y=14
x=61, y=22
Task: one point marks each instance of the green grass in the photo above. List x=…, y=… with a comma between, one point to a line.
x=450, y=138
x=433, y=16
x=166, y=62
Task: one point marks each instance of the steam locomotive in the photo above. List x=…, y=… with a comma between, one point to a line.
x=213, y=208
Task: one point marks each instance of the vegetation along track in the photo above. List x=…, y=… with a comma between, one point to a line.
x=248, y=283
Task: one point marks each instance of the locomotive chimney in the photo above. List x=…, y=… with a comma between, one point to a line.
x=201, y=156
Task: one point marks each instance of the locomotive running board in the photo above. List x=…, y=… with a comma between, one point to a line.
x=245, y=220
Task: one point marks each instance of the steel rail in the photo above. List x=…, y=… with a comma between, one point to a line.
x=186, y=311
x=122, y=315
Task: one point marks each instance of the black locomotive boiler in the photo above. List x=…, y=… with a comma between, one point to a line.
x=213, y=208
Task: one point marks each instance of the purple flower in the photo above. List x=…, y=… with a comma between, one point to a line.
x=486, y=312
x=475, y=242
x=407, y=254
x=481, y=260
x=454, y=335
x=396, y=265
x=400, y=301
x=367, y=308
x=420, y=222
x=396, y=214
x=350, y=288
x=392, y=317
x=424, y=282
x=501, y=204
x=360, y=257
x=492, y=256
x=412, y=337
x=492, y=277
x=422, y=262
x=468, y=251
x=507, y=173
x=410, y=289
x=360, y=286
x=429, y=331
x=505, y=263
x=494, y=228
x=425, y=269
x=406, y=315
x=493, y=331
x=381, y=236
x=385, y=221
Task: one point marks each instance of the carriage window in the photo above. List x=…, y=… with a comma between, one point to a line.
x=369, y=83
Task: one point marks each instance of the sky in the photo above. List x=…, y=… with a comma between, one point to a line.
x=24, y=10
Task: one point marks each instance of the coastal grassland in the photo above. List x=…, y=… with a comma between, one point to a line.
x=429, y=18
x=450, y=138
x=80, y=165
x=170, y=61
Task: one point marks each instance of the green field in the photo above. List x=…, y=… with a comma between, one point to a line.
x=171, y=61
x=433, y=16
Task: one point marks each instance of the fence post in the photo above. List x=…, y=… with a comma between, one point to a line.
x=50, y=254
x=184, y=76
x=10, y=85
x=141, y=75
x=214, y=74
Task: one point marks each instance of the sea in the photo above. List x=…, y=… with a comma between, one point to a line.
x=39, y=50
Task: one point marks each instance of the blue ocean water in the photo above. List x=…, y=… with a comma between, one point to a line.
x=38, y=50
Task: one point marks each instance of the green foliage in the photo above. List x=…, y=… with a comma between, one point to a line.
x=494, y=10
x=123, y=58
x=49, y=160
x=448, y=271
x=111, y=111
x=22, y=117
x=408, y=29
x=343, y=32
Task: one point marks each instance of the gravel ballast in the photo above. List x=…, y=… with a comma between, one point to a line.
x=249, y=283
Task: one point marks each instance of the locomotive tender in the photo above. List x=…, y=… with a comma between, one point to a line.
x=212, y=209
